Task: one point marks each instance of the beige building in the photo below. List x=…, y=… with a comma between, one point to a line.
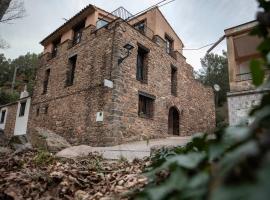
x=242, y=48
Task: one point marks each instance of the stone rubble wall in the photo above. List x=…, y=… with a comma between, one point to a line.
x=72, y=110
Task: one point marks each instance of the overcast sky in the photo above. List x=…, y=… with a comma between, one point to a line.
x=197, y=22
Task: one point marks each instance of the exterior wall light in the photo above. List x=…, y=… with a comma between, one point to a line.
x=128, y=47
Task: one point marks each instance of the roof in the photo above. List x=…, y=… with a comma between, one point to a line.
x=72, y=21
x=241, y=28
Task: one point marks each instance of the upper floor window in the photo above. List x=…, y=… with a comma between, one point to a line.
x=3, y=116
x=169, y=44
x=22, y=108
x=55, y=47
x=101, y=23
x=173, y=80
x=142, y=70
x=146, y=105
x=46, y=81
x=78, y=33
x=140, y=26
x=71, y=70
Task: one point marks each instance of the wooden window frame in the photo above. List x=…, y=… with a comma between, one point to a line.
x=142, y=64
x=146, y=104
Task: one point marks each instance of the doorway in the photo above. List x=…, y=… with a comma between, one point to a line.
x=173, y=121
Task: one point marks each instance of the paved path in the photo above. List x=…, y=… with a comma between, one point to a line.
x=139, y=149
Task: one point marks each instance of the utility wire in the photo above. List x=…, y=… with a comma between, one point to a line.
x=196, y=49
x=155, y=5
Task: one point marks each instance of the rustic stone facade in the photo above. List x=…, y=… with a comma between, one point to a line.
x=11, y=112
x=71, y=111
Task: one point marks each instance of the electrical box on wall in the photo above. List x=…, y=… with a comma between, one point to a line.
x=108, y=83
x=99, y=117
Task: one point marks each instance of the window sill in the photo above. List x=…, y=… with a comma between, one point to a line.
x=142, y=81
x=145, y=116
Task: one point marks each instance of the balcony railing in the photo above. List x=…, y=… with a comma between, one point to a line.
x=247, y=76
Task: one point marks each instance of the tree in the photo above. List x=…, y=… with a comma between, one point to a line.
x=215, y=71
x=26, y=66
x=11, y=10
x=4, y=4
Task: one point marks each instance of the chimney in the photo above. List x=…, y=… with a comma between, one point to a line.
x=24, y=93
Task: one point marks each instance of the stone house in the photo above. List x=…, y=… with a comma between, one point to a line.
x=109, y=78
x=14, y=116
x=243, y=96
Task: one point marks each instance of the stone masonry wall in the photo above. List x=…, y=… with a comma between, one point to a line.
x=72, y=110
x=194, y=101
x=10, y=119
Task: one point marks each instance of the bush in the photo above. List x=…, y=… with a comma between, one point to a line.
x=8, y=97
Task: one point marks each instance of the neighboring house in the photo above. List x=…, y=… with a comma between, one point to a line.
x=14, y=116
x=109, y=78
x=243, y=96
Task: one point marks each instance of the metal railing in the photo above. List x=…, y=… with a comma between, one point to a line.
x=247, y=76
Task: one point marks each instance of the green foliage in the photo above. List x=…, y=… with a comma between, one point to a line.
x=235, y=164
x=215, y=71
x=43, y=158
x=7, y=97
x=26, y=65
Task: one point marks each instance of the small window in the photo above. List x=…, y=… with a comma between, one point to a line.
x=22, y=109
x=140, y=26
x=55, y=47
x=71, y=70
x=101, y=23
x=142, y=70
x=37, y=112
x=174, y=80
x=46, y=109
x=3, y=115
x=146, y=106
x=169, y=44
x=46, y=81
x=78, y=33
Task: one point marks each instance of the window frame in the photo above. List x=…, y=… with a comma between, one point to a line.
x=169, y=40
x=3, y=119
x=137, y=26
x=46, y=81
x=174, y=83
x=77, y=33
x=146, y=105
x=102, y=25
x=72, y=64
x=22, y=108
x=142, y=64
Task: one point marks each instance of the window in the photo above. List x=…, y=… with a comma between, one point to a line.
x=101, y=23
x=174, y=80
x=37, y=112
x=169, y=44
x=3, y=115
x=142, y=70
x=22, y=109
x=71, y=70
x=78, y=33
x=46, y=109
x=55, y=46
x=140, y=26
x=46, y=81
x=146, y=105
